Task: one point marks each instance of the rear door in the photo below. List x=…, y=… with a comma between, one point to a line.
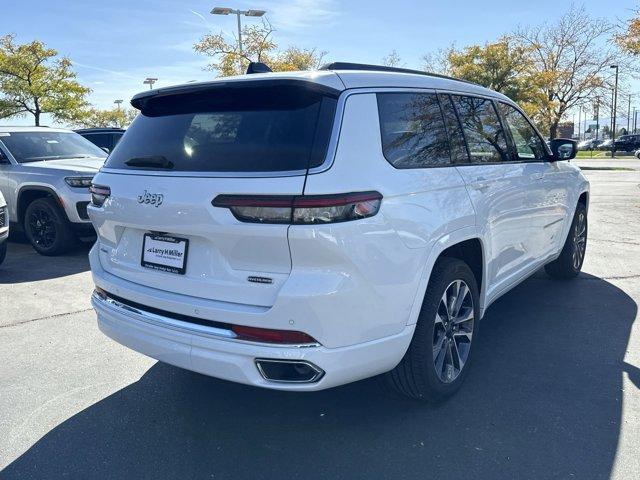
x=547, y=186
x=496, y=183
x=159, y=227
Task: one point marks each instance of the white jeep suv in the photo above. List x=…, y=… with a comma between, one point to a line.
x=304, y=230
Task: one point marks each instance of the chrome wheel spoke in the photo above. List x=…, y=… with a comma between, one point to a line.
x=453, y=331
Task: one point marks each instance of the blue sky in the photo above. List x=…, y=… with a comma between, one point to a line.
x=115, y=44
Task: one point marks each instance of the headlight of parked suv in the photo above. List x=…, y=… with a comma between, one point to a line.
x=79, y=182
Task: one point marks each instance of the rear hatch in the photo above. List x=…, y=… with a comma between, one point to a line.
x=158, y=226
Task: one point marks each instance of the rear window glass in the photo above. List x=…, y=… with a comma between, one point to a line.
x=260, y=129
x=413, y=130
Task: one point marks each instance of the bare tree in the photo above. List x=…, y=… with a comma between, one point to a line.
x=392, y=60
x=571, y=57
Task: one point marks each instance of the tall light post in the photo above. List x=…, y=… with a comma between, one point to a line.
x=629, y=115
x=615, y=111
x=118, y=103
x=246, y=13
x=150, y=81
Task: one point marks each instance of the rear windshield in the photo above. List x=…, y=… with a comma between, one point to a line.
x=265, y=129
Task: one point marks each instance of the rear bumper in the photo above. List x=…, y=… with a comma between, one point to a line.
x=210, y=351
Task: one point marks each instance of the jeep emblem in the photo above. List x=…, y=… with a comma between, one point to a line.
x=147, y=198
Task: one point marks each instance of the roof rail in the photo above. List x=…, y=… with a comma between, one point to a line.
x=383, y=68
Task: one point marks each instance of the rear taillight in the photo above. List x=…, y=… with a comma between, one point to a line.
x=99, y=194
x=301, y=209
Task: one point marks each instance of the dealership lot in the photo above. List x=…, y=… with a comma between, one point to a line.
x=554, y=392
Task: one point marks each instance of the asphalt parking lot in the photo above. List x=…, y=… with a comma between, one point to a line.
x=554, y=391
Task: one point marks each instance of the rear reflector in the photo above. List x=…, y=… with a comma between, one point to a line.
x=266, y=335
x=301, y=209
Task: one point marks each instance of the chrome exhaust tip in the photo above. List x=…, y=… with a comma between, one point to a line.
x=288, y=371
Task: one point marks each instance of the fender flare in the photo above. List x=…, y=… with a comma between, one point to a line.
x=440, y=245
x=35, y=187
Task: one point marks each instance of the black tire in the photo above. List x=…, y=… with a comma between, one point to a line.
x=3, y=251
x=567, y=266
x=416, y=376
x=47, y=227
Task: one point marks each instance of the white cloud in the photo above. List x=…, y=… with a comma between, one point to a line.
x=302, y=14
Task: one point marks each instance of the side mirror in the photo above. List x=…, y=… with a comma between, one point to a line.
x=563, y=149
x=105, y=149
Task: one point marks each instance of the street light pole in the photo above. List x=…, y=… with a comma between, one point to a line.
x=118, y=102
x=629, y=115
x=247, y=13
x=615, y=111
x=150, y=81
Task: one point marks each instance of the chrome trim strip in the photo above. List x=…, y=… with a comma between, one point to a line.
x=319, y=372
x=184, y=327
x=161, y=321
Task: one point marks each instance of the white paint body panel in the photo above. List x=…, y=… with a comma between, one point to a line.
x=356, y=287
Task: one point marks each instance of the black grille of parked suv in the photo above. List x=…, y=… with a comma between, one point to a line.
x=81, y=207
x=3, y=217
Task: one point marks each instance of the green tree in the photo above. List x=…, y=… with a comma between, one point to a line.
x=257, y=46
x=34, y=82
x=112, y=118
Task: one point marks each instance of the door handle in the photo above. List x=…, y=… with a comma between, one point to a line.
x=537, y=176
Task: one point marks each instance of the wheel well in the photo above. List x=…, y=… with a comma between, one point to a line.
x=584, y=199
x=470, y=252
x=25, y=197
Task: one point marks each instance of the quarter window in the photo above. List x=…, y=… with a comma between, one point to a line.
x=528, y=144
x=482, y=129
x=413, y=130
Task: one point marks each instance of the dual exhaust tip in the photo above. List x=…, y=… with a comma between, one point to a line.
x=288, y=371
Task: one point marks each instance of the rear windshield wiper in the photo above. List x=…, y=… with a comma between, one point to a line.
x=155, y=161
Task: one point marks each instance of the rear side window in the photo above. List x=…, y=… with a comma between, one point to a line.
x=457, y=146
x=413, y=130
x=528, y=144
x=482, y=129
x=258, y=129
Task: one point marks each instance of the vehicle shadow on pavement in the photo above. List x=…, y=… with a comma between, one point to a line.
x=543, y=400
x=24, y=264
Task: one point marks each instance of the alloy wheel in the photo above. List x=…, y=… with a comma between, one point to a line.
x=453, y=331
x=579, y=240
x=43, y=228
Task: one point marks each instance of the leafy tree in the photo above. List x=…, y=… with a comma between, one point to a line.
x=33, y=82
x=112, y=118
x=629, y=39
x=504, y=66
x=257, y=46
x=570, y=59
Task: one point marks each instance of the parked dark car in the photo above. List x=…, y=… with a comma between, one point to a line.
x=624, y=143
x=105, y=138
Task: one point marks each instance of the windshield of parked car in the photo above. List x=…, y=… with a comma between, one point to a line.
x=36, y=146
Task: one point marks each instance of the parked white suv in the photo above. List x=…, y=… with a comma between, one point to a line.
x=304, y=230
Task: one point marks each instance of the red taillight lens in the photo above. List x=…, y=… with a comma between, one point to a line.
x=266, y=335
x=302, y=209
x=99, y=194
